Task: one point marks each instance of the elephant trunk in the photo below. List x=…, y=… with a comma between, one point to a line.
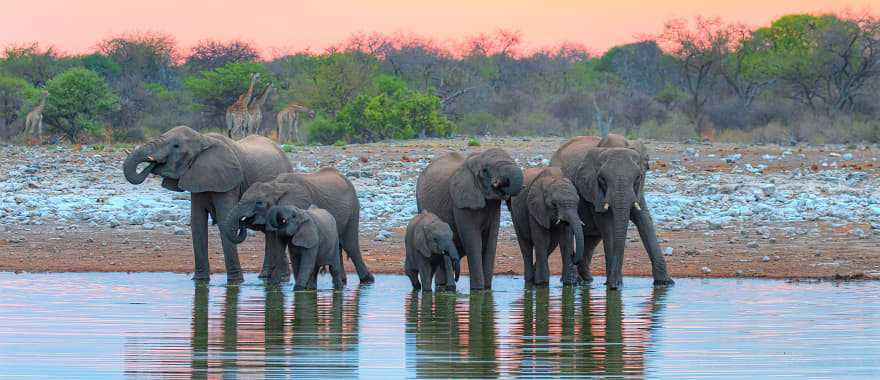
x=141, y=154
x=574, y=223
x=621, y=222
x=231, y=227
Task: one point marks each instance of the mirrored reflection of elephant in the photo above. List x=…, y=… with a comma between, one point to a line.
x=591, y=338
x=199, y=334
x=324, y=338
x=445, y=341
x=610, y=182
x=216, y=171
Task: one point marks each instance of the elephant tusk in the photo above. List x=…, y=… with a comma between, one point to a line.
x=605, y=207
x=637, y=206
x=151, y=159
x=582, y=223
x=558, y=221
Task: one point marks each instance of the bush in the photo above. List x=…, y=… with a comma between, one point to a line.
x=773, y=133
x=734, y=136
x=675, y=128
x=473, y=142
x=394, y=112
x=16, y=95
x=324, y=131
x=78, y=102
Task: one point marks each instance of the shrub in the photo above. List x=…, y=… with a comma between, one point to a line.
x=478, y=123
x=287, y=148
x=675, y=128
x=734, y=136
x=324, y=131
x=773, y=133
x=473, y=142
x=78, y=101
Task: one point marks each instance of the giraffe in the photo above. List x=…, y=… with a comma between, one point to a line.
x=33, y=125
x=287, y=118
x=255, y=111
x=237, y=113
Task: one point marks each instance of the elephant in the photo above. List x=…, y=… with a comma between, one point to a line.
x=429, y=245
x=314, y=243
x=326, y=188
x=216, y=171
x=545, y=214
x=610, y=182
x=466, y=193
x=613, y=140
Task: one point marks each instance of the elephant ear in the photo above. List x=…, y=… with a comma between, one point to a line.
x=421, y=237
x=537, y=202
x=307, y=235
x=465, y=190
x=587, y=182
x=215, y=169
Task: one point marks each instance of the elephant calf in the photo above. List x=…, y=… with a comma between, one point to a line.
x=545, y=214
x=430, y=251
x=326, y=188
x=313, y=241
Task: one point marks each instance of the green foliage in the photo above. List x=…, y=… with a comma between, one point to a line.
x=98, y=147
x=101, y=64
x=341, y=77
x=16, y=95
x=287, y=148
x=216, y=89
x=670, y=96
x=478, y=123
x=324, y=131
x=78, y=102
x=393, y=112
x=473, y=142
x=339, y=143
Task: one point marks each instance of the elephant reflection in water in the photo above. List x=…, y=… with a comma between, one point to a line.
x=448, y=337
x=324, y=341
x=557, y=337
x=322, y=326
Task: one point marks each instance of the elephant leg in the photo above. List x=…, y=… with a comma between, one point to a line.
x=566, y=248
x=199, y=226
x=425, y=275
x=590, y=243
x=335, y=271
x=351, y=245
x=307, y=261
x=294, y=261
x=267, y=265
x=490, y=242
x=224, y=203
x=276, y=257
x=439, y=274
x=413, y=275
x=541, y=239
x=613, y=279
x=526, y=248
x=645, y=226
x=472, y=242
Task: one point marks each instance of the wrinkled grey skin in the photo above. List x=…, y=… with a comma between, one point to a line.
x=216, y=170
x=429, y=245
x=610, y=182
x=313, y=241
x=466, y=193
x=326, y=189
x=545, y=214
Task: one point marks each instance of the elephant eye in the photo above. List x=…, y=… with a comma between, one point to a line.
x=283, y=221
x=176, y=146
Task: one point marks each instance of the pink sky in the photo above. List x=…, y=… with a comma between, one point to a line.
x=289, y=25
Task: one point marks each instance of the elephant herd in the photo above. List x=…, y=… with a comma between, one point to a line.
x=591, y=191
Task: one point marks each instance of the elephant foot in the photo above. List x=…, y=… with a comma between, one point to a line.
x=664, y=282
x=263, y=275
x=450, y=288
x=368, y=279
x=616, y=285
x=542, y=284
x=234, y=278
x=300, y=287
x=201, y=277
x=586, y=280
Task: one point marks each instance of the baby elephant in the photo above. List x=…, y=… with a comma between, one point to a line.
x=545, y=214
x=313, y=244
x=428, y=245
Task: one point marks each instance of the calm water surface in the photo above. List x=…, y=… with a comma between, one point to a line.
x=162, y=325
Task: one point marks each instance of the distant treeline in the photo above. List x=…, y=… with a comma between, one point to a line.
x=803, y=78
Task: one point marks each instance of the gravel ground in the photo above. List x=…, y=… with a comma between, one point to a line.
x=742, y=196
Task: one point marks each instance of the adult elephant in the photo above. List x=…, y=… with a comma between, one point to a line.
x=610, y=182
x=325, y=188
x=466, y=193
x=216, y=171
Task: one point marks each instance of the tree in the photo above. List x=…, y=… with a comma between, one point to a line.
x=393, y=111
x=212, y=54
x=33, y=63
x=341, y=77
x=15, y=95
x=215, y=90
x=79, y=100
x=699, y=52
x=146, y=57
x=641, y=66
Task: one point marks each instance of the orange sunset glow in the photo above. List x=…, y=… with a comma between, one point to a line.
x=294, y=25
